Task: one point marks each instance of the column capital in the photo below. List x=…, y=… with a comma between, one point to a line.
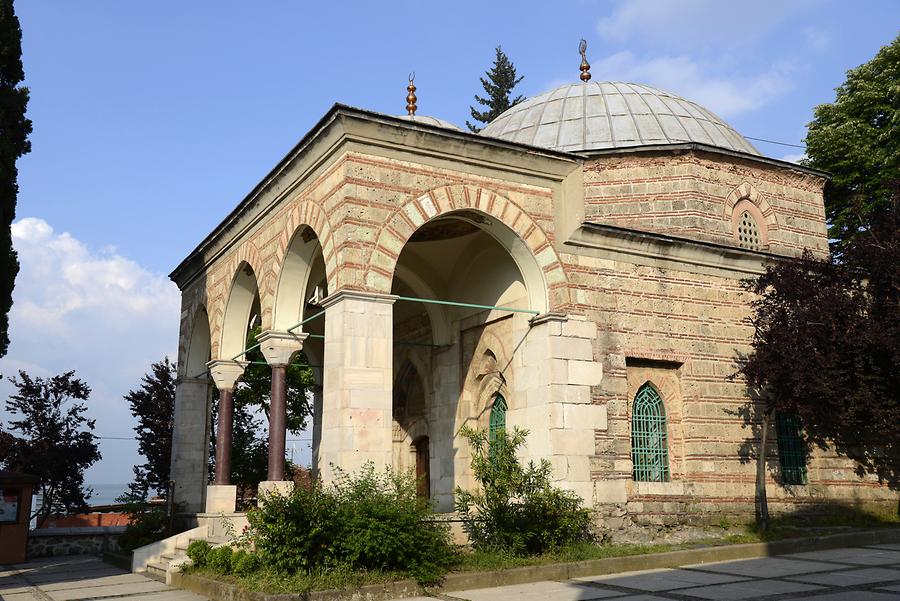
x=225, y=373
x=358, y=295
x=278, y=347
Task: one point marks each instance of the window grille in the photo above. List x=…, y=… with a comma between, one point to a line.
x=498, y=418
x=649, y=438
x=749, y=236
x=791, y=448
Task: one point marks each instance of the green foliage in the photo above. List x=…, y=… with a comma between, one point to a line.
x=153, y=404
x=501, y=80
x=13, y=144
x=51, y=438
x=244, y=563
x=857, y=139
x=198, y=553
x=147, y=524
x=219, y=559
x=517, y=510
x=366, y=521
x=250, y=447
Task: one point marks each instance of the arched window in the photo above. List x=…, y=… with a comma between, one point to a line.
x=498, y=418
x=791, y=448
x=748, y=232
x=649, y=440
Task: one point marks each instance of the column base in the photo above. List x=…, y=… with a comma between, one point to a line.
x=221, y=498
x=268, y=487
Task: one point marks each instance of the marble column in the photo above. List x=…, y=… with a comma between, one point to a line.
x=221, y=496
x=358, y=378
x=278, y=348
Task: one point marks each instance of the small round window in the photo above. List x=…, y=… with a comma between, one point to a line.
x=748, y=233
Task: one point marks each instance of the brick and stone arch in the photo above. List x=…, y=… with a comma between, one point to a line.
x=243, y=297
x=745, y=200
x=664, y=379
x=304, y=256
x=220, y=286
x=199, y=345
x=529, y=246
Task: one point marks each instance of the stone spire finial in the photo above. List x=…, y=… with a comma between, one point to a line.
x=411, y=97
x=585, y=66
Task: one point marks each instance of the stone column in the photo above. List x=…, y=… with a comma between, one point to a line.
x=358, y=378
x=221, y=496
x=190, y=442
x=555, y=372
x=278, y=348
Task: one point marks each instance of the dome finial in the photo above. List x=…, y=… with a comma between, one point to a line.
x=411, y=97
x=585, y=66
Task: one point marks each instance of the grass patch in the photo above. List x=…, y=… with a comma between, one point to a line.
x=268, y=581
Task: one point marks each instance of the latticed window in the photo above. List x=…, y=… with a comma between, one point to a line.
x=748, y=233
x=791, y=448
x=649, y=439
x=498, y=418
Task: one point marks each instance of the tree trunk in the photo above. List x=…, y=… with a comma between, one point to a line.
x=762, y=503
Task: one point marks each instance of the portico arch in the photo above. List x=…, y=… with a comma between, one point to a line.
x=197, y=354
x=241, y=299
x=302, y=269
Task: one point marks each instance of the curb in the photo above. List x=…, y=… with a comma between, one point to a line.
x=224, y=591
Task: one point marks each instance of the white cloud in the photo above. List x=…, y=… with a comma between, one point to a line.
x=94, y=311
x=726, y=94
x=794, y=158
x=692, y=23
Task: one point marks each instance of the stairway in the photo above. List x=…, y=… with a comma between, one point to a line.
x=171, y=561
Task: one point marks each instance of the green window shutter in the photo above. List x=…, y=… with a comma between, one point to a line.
x=791, y=448
x=649, y=437
x=498, y=418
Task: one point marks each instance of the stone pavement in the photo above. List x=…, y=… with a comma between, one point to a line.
x=81, y=577
x=850, y=574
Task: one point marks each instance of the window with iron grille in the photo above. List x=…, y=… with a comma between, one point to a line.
x=498, y=418
x=791, y=448
x=649, y=438
x=748, y=233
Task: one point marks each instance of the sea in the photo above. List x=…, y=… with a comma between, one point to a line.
x=106, y=493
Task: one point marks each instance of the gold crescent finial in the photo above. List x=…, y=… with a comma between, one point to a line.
x=585, y=66
x=411, y=97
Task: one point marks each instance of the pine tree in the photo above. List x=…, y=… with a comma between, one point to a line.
x=13, y=144
x=153, y=404
x=501, y=79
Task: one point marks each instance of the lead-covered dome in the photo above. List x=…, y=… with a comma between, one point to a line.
x=429, y=121
x=612, y=114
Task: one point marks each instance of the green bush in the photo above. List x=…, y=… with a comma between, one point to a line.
x=146, y=523
x=219, y=560
x=244, y=563
x=366, y=521
x=517, y=509
x=198, y=552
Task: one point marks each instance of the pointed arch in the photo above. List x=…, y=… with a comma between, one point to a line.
x=243, y=294
x=649, y=436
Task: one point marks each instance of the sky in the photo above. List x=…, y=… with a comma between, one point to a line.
x=152, y=120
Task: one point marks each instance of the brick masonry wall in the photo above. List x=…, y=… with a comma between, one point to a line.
x=691, y=194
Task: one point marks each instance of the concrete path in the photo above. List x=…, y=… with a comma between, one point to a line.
x=81, y=577
x=851, y=574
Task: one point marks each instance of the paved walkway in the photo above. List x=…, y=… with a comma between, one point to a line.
x=852, y=574
x=81, y=577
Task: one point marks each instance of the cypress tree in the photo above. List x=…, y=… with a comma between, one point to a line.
x=13, y=144
x=498, y=85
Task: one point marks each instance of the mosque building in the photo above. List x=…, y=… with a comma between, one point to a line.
x=574, y=269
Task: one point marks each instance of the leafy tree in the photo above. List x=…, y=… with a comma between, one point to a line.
x=153, y=404
x=826, y=347
x=53, y=442
x=498, y=86
x=13, y=144
x=250, y=448
x=857, y=139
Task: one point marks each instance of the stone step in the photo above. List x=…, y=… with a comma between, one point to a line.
x=157, y=570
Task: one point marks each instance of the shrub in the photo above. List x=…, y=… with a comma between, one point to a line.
x=244, y=563
x=219, y=559
x=146, y=523
x=198, y=552
x=366, y=521
x=517, y=509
